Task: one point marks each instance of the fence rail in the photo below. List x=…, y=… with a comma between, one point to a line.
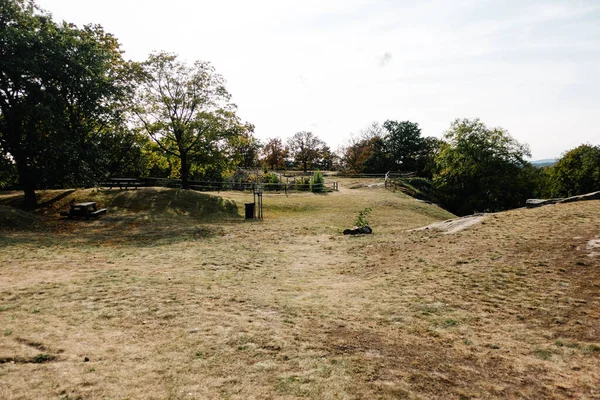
x=391, y=176
x=212, y=186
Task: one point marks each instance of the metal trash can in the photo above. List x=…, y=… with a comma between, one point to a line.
x=249, y=210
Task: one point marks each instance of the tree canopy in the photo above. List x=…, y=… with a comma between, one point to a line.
x=185, y=109
x=404, y=143
x=480, y=168
x=274, y=153
x=59, y=87
x=306, y=148
x=577, y=172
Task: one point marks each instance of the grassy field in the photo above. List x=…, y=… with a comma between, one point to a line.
x=172, y=295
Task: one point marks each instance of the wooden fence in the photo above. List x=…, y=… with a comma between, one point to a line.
x=214, y=186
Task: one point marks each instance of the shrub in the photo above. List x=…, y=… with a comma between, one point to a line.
x=361, y=219
x=302, y=184
x=578, y=171
x=272, y=181
x=317, y=182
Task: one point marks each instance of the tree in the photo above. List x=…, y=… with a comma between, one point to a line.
x=327, y=159
x=245, y=148
x=379, y=160
x=404, y=143
x=356, y=153
x=305, y=148
x=58, y=86
x=185, y=110
x=367, y=151
x=274, y=153
x=577, y=172
x=480, y=169
x=425, y=160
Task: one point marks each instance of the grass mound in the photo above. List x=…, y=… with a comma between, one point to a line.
x=13, y=218
x=153, y=202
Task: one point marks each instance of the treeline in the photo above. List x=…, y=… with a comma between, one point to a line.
x=473, y=168
x=74, y=112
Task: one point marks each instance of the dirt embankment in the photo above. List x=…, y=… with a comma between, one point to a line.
x=454, y=225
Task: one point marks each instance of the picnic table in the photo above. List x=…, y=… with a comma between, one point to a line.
x=86, y=209
x=124, y=183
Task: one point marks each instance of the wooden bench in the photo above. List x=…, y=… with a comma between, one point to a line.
x=87, y=209
x=124, y=183
x=98, y=212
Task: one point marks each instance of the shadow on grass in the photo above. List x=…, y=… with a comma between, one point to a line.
x=113, y=231
x=42, y=197
x=55, y=199
x=143, y=217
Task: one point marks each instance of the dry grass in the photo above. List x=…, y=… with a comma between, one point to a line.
x=173, y=295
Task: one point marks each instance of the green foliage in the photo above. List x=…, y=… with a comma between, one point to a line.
x=481, y=169
x=272, y=181
x=8, y=173
x=361, y=219
x=317, y=182
x=577, y=172
x=187, y=112
x=274, y=154
x=271, y=177
x=306, y=148
x=302, y=184
x=378, y=161
x=61, y=90
x=419, y=188
x=397, y=147
x=243, y=147
x=403, y=142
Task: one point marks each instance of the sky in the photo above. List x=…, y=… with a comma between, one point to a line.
x=334, y=66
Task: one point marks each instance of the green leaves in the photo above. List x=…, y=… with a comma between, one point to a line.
x=305, y=148
x=186, y=110
x=361, y=219
x=577, y=172
x=480, y=169
x=61, y=89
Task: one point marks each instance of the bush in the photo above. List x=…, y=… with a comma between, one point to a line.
x=302, y=184
x=361, y=219
x=272, y=181
x=317, y=182
x=481, y=169
x=578, y=171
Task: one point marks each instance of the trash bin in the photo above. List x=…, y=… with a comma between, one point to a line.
x=249, y=210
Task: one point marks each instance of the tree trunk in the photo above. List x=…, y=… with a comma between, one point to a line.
x=185, y=171
x=305, y=166
x=27, y=182
x=29, y=200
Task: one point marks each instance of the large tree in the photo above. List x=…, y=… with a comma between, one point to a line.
x=356, y=153
x=577, y=172
x=305, y=148
x=58, y=88
x=185, y=109
x=274, y=153
x=404, y=143
x=481, y=169
x=245, y=147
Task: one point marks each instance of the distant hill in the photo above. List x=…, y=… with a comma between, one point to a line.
x=545, y=162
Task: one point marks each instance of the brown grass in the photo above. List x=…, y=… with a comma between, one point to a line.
x=173, y=295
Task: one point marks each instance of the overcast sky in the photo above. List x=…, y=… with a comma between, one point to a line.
x=334, y=66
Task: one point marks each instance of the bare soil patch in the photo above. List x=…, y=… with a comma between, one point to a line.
x=455, y=225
